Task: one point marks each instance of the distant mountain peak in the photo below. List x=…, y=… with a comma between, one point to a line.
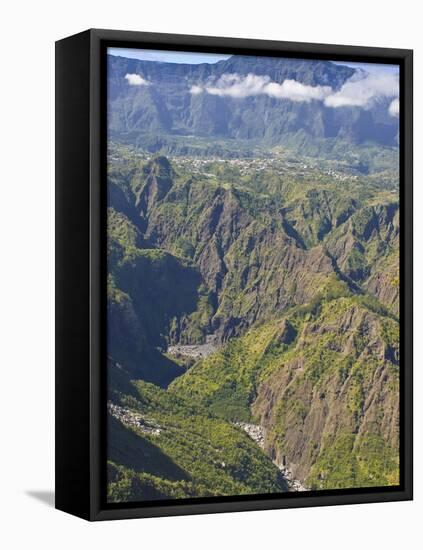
x=266, y=100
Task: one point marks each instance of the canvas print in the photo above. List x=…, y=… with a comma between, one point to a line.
x=253, y=275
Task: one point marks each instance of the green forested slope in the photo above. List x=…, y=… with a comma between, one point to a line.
x=293, y=270
x=195, y=453
x=323, y=381
x=260, y=247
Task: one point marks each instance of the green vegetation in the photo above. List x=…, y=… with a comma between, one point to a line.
x=225, y=382
x=332, y=357
x=253, y=283
x=290, y=265
x=195, y=454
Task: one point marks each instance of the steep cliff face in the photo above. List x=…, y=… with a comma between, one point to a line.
x=158, y=180
x=383, y=281
x=163, y=105
x=147, y=289
x=322, y=382
x=366, y=249
x=252, y=268
x=295, y=285
x=261, y=253
x=331, y=406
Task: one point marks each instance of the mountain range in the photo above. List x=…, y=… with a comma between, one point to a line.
x=293, y=279
x=255, y=102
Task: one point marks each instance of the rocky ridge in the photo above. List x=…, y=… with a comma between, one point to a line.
x=317, y=388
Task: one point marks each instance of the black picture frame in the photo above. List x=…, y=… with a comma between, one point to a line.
x=81, y=268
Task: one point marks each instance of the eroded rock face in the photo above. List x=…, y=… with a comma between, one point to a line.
x=158, y=182
x=257, y=259
x=200, y=259
x=335, y=405
x=385, y=284
x=366, y=249
x=251, y=270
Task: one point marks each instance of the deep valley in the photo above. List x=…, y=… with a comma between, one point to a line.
x=253, y=278
x=282, y=284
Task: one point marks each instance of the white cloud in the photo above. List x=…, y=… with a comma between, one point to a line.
x=394, y=108
x=234, y=85
x=295, y=91
x=195, y=90
x=361, y=92
x=136, y=80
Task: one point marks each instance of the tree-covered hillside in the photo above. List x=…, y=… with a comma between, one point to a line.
x=286, y=270
x=323, y=382
x=163, y=446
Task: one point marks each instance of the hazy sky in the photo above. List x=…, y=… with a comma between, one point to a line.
x=196, y=58
x=192, y=58
x=373, y=68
